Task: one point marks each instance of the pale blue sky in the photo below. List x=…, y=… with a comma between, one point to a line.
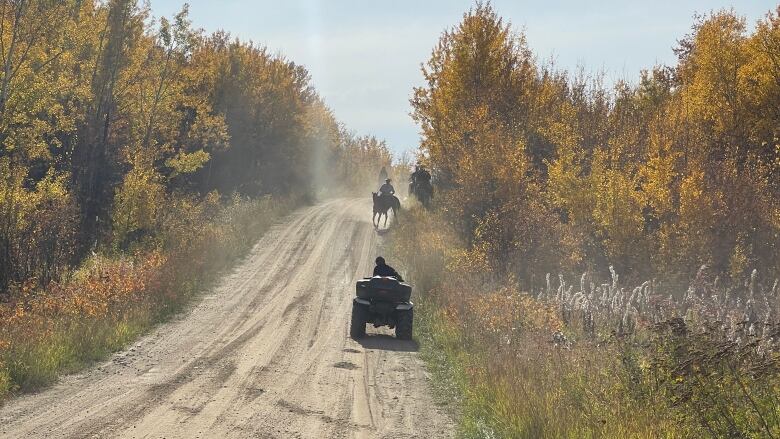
x=364, y=56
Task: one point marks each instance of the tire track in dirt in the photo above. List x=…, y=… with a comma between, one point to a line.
x=265, y=354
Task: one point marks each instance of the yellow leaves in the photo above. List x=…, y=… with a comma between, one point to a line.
x=472, y=261
x=53, y=186
x=37, y=109
x=604, y=202
x=558, y=116
x=37, y=221
x=186, y=163
x=661, y=171
x=567, y=189
x=476, y=88
x=209, y=129
x=710, y=67
x=697, y=203
x=617, y=203
x=138, y=200
x=658, y=175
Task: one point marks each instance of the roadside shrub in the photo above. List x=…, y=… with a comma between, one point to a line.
x=111, y=299
x=594, y=359
x=725, y=386
x=37, y=224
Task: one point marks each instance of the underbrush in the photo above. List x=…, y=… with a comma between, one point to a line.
x=116, y=296
x=594, y=360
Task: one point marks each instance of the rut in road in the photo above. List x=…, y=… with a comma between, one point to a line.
x=266, y=354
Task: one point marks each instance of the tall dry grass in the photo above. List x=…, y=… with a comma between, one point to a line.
x=114, y=297
x=591, y=359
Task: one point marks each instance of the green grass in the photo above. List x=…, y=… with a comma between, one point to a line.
x=446, y=360
x=69, y=349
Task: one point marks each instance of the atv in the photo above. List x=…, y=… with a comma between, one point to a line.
x=382, y=301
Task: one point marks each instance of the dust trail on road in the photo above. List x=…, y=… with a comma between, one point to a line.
x=266, y=354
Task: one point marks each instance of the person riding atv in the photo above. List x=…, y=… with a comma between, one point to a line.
x=382, y=269
x=382, y=300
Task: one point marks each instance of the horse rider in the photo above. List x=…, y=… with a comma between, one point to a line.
x=387, y=189
x=413, y=178
x=422, y=175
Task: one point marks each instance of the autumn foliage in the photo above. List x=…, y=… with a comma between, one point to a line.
x=139, y=155
x=601, y=261
x=547, y=171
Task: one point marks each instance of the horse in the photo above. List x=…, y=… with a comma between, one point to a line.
x=382, y=205
x=423, y=191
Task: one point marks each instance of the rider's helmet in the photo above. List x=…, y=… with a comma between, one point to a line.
x=380, y=260
x=387, y=180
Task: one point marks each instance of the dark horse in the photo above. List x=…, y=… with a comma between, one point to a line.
x=423, y=191
x=382, y=205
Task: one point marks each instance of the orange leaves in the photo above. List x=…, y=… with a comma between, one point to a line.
x=111, y=292
x=104, y=289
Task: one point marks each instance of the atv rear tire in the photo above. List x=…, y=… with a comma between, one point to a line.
x=357, y=327
x=403, y=331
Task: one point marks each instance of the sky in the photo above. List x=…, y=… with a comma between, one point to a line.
x=364, y=56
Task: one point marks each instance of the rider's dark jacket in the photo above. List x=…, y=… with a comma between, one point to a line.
x=387, y=189
x=386, y=270
x=420, y=176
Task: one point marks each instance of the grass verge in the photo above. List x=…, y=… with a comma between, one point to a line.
x=523, y=365
x=115, y=297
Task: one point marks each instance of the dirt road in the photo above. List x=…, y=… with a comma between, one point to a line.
x=266, y=354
